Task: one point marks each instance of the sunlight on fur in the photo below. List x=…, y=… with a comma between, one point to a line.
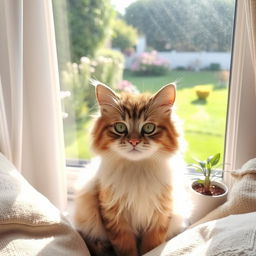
x=133, y=197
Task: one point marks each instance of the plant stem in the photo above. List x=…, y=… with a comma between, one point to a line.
x=207, y=183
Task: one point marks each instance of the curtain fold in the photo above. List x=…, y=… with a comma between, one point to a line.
x=250, y=11
x=12, y=48
x=4, y=131
x=31, y=132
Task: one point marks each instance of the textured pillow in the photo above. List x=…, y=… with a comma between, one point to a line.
x=29, y=223
x=229, y=236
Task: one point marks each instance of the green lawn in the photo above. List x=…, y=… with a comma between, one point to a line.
x=78, y=143
x=183, y=79
x=204, y=122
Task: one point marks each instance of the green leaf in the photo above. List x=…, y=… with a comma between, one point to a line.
x=214, y=159
x=202, y=164
x=209, y=159
x=209, y=166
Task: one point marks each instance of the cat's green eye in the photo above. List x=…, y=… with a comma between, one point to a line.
x=120, y=127
x=148, y=128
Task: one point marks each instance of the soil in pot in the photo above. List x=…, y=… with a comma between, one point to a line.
x=214, y=190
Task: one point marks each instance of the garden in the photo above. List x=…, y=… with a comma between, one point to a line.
x=203, y=120
x=108, y=37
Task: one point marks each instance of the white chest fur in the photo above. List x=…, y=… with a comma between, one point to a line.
x=137, y=186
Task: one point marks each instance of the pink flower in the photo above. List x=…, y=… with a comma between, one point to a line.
x=147, y=60
x=135, y=66
x=126, y=86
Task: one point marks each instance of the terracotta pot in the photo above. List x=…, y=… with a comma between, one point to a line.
x=203, y=204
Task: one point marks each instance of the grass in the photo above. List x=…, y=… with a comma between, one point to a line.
x=78, y=143
x=183, y=79
x=204, y=124
x=203, y=121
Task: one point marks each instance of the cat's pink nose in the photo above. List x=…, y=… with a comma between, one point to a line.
x=134, y=142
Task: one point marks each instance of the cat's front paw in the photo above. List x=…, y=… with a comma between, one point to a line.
x=98, y=247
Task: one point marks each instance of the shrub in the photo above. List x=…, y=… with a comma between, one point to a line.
x=203, y=91
x=89, y=25
x=180, y=68
x=107, y=68
x=115, y=55
x=149, y=63
x=124, y=36
x=75, y=78
x=214, y=67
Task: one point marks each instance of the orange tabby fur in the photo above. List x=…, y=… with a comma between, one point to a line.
x=133, y=105
x=110, y=206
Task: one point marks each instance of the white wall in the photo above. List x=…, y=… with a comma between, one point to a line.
x=141, y=44
x=196, y=60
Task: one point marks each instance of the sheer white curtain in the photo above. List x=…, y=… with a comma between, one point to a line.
x=11, y=62
x=240, y=134
x=31, y=134
x=250, y=10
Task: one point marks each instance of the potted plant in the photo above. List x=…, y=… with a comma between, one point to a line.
x=206, y=194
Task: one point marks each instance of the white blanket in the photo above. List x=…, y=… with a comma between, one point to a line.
x=230, y=236
x=29, y=224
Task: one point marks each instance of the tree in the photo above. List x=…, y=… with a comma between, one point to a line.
x=215, y=26
x=184, y=25
x=89, y=26
x=124, y=36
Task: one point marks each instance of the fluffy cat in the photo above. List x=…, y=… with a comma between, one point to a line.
x=130, y=202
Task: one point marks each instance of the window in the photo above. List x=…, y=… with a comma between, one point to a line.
x=141, y=46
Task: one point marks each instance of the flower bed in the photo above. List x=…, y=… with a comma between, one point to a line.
x=150, y=63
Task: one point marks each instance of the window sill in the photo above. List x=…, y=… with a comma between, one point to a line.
x=74, y=173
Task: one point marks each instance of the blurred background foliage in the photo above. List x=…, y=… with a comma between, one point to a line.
x=184, y=25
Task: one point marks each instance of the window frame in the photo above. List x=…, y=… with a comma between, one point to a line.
x=240, y=132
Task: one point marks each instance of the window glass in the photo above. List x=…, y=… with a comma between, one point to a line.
x=140, y=46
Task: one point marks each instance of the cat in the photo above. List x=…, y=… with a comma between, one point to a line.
x=127, y=205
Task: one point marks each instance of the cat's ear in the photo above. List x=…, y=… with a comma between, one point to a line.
x=165, y=96
x=106, y=97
